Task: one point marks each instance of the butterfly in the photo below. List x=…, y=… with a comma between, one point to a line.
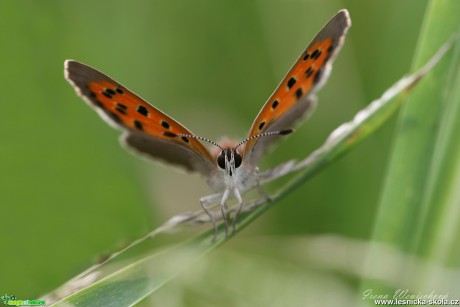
x=230, y=167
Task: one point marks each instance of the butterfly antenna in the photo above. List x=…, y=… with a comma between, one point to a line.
x=191, y=136
x=280, y=132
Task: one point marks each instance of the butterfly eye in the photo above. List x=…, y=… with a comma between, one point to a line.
x=221, y=160
x=238, y=159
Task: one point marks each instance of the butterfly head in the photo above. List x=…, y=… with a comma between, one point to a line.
x=229, y=158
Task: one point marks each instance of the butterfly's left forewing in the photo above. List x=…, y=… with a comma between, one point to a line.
x=294, y=97
x=146, y=129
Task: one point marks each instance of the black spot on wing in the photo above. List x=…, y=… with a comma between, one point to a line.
x=107, y=95
x=316, y=54
x=169, y=134
x=142, y=110
x=261, y=125
x=164, y=124
x=138, y=125
x=291, y=82
x=309, y=72
x=298, y=93
x=120, y=110
x=275, y=104
x=121, y=106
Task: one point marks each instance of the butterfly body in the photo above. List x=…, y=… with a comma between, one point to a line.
x=230, y=167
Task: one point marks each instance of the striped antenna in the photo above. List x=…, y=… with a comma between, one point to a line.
x=281, y=132
x=191, y=136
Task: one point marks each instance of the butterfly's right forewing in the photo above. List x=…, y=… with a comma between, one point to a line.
x=145, y=128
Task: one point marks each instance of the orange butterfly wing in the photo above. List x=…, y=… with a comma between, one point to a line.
x=294, y=97
x=146, y=129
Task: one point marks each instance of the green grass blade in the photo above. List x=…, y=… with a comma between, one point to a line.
x=125, y=283
x=419, y=205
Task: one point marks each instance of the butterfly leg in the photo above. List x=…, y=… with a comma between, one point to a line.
x=240, y=202
x=203, y=202
x=262, y=192
x=224, y=210
x=259, y=186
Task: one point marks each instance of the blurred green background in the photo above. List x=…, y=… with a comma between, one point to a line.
x=69, y=193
